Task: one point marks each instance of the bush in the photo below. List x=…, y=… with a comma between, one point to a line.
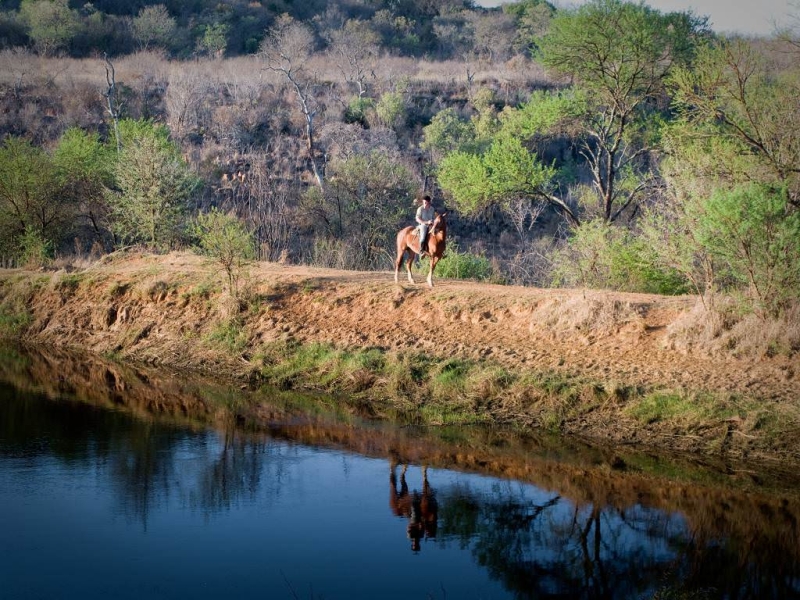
x=357, y=111
x=391, y=109
x=465, y=265
x=51, y=23
x=755, y=236
x=447, y=132
x=154, y=185
x=31, y=197
x=35, y=250
x=601, y=255
x=223, y=237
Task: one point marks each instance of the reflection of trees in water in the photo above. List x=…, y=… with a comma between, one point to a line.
x=140, y=465
x=237, y=471
x=740, y=545
x=141, y=457
x=736, y=568
x=30, y=425
x=223, y=470
x=550, y=548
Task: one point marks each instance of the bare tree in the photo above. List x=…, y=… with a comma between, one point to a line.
x=286, y=51
x=523, y=214
x=15, y=63
x=354, y=48
x=493, y=35
x=113, y=106
x=261, y=201
x=791, y=32
x=184, y=97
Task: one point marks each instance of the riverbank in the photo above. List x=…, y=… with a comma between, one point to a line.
x=623, y=368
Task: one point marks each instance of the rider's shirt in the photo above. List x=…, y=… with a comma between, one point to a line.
x=425, y=214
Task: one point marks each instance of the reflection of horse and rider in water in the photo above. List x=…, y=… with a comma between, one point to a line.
x=420, y=508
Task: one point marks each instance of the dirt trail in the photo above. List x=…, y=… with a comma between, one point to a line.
x=604, y=336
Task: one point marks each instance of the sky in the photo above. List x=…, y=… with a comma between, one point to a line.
x=755, y=17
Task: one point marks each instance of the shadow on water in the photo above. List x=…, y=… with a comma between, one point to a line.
x=605, y=523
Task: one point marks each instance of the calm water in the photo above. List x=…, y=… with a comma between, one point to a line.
x=103, y=502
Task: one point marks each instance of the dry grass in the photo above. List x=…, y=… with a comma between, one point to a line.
x=595, y=312
x=720, y=329
x=244, y=72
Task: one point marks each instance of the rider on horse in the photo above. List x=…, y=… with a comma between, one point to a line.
x=425, y=216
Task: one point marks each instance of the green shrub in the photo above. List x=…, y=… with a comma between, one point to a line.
x=447, y=132
x=465, y=265
x=600, y=255
x=358, y=109
x=391, y=109
x=755, y=237
x=35, y=251
x=223, y=237
x=153, y=187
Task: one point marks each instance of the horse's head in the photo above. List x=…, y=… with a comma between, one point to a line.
x=439, y=223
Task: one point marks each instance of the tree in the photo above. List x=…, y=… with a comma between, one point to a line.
x=215, y=39
x=84, y=169
x=391, y=110
x=497, y=165
x=733, y=177
x=531, y=19
x=286, y=51
x=30, y=202
x=506, y=171
x=619, y=55
x=791, y=32
x=749, y=231
x=153, y=26
x=184, y=99
x=493, y=35
x=447, y=133
x=354, y=47
x=223, y=237
x=153, y=185
x=367, y=196
x=51, y=23
x=732, y=97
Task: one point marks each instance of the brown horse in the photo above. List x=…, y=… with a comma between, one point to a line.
x=421, y=509
x=408, y=245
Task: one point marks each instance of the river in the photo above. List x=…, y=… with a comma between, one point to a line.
x=124, y=482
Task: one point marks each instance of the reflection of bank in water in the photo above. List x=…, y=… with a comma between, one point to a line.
x=748, y=513
x=420, y=508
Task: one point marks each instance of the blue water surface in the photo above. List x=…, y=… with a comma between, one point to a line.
x=98, y=503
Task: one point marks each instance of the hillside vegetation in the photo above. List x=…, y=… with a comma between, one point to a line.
x=611, y=146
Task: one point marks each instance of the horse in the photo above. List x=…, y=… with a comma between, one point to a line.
x=408, y=241
x=421, y=509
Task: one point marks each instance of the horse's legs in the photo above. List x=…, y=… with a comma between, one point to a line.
x=432, y=266
x=408, y=269
x=398, y=263
x=401, y=254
